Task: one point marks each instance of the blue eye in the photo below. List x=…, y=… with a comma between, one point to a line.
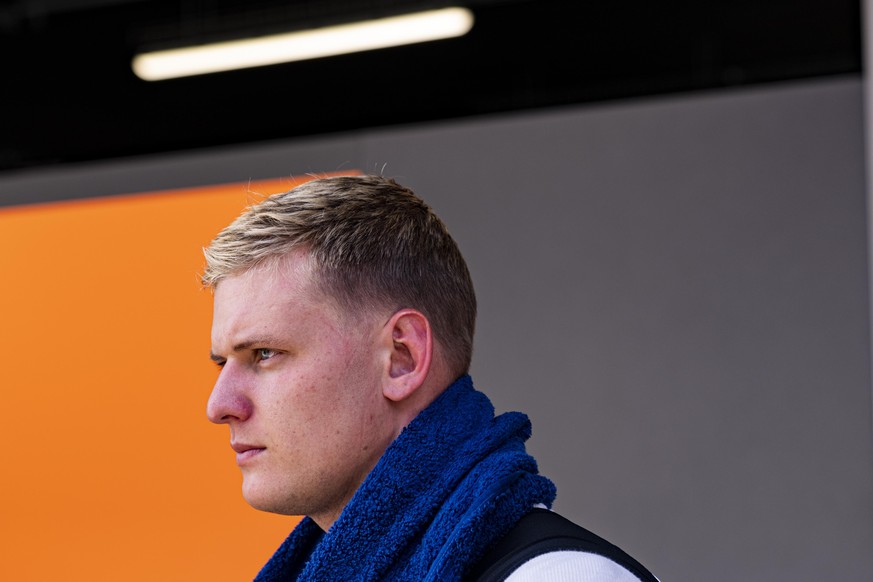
x=265, y=353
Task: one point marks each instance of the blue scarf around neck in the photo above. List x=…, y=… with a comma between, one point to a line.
x=455, y=480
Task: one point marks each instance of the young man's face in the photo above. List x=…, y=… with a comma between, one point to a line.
x=300, y=388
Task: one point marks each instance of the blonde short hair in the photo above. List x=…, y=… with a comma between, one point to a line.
x=374, y=244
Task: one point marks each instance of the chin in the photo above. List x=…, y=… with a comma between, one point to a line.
x=265, y=499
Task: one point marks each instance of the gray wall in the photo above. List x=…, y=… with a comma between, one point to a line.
x=674, y=289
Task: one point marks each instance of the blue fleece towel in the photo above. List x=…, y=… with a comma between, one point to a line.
x=454, y=481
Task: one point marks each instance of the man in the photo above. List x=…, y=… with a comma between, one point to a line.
x=343, y=326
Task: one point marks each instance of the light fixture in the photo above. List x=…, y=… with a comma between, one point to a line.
x=307, y=44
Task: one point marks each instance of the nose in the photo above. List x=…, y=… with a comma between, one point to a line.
x=228, y=401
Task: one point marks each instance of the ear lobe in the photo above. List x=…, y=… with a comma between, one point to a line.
x=411, y=351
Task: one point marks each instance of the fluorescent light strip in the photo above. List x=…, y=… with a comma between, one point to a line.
x=308, y=44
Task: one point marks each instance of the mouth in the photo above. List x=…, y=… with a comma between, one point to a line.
x=245, y=452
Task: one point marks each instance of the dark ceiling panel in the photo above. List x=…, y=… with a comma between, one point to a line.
x=69, y=94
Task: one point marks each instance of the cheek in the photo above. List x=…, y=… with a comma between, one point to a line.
x=305, y=400
x=336, y=392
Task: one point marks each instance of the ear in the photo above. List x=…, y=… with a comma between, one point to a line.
x=410, y=353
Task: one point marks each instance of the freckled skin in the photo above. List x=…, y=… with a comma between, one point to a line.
x=306, y=387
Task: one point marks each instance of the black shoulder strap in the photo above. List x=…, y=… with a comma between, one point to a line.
x=542, y=531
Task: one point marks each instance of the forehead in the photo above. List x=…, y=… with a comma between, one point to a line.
x=281, y=296
x=293, y=272
x=276, y=291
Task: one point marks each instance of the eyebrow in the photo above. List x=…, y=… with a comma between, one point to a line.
x=258, y=341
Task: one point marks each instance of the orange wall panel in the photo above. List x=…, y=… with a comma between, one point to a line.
x=111, y=470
